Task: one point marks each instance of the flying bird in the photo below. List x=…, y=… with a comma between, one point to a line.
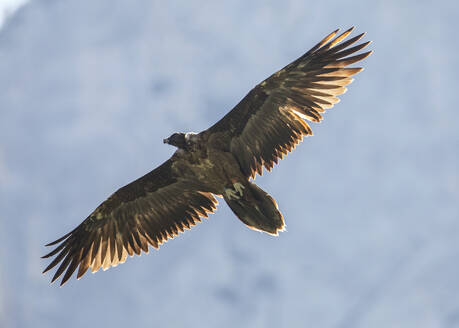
x=220, y=161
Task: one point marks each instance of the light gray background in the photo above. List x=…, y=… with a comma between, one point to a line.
x=88, y=90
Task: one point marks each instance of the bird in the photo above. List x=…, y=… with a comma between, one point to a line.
x=221, y=161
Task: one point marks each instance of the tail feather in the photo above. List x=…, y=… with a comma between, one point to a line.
x=253, y=206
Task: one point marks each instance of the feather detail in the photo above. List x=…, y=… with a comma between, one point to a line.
x=264, y=126
x=146, y=212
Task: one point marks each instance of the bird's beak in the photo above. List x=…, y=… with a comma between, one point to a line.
x=166, y=141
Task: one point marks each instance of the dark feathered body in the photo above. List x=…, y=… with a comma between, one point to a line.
x=204, y=166
x=264, y=126
x=209, y=167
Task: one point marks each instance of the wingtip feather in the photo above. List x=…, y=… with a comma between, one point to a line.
x=58, y=240
x=340, y=38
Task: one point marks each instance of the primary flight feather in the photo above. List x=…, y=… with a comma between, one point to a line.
x=266, y=124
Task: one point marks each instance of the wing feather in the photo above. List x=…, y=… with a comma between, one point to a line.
x=270, y=121
x=148, y=211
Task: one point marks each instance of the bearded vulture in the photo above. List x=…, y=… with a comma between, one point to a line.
x=220, y=161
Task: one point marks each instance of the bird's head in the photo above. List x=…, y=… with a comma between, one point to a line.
x=177, y=139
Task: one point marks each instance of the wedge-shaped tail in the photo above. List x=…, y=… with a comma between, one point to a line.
x=254, y=207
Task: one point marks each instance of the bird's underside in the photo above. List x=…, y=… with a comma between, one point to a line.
x=267, y=124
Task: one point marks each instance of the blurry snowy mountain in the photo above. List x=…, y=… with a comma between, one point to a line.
x=8, y=8
x=88, y=91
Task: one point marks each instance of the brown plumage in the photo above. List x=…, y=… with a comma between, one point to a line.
x=271, y=114
x=267, y=124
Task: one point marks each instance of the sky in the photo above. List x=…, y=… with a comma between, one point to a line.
x=88, y=91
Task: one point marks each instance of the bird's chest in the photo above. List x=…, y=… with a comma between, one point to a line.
x=209, y=169
x=194, y=165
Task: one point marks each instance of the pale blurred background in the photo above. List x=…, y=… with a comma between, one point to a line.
x=88, y=91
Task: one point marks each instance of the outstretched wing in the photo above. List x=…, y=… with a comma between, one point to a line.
x=269, y=121
x=148, y=211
